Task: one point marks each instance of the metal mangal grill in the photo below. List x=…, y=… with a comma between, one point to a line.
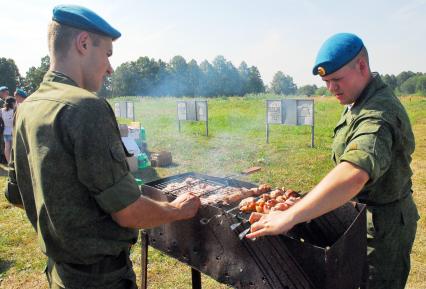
x=327, y=252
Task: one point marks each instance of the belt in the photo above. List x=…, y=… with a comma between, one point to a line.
x=106, y=265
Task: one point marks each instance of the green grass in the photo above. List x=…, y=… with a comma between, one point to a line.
x=236, y=141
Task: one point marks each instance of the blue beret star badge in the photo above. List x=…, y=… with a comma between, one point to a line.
x=321, y=71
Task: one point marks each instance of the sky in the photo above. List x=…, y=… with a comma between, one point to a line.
x=273, y=35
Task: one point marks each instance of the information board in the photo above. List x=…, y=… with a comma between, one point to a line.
x=181, y=110
x=117, y=111
x=305, y=112
x=194, y=110
x=290, y=112
x=201, y=110
x=124, y=109
x=130, y=110
x=274, y=114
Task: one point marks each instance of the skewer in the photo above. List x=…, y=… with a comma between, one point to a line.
x=243, y=233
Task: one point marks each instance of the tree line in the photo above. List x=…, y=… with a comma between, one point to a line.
x=149, y=77
x=11, y=77
x=178, y=77
x=407, y=82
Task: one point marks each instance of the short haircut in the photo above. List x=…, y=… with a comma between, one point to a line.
x=362, y=54
x=60, y=38
x=9, y=103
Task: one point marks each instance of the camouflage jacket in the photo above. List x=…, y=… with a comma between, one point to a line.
x=375, y=134
x=70, y=170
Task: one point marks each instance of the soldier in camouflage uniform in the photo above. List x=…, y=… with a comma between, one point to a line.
x=372, y=148
x=69, y=168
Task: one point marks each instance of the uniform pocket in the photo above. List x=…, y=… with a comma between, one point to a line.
x=339, y=141
x=339, y=125
x=117, y=151
x=409, y=212
x=73, y=278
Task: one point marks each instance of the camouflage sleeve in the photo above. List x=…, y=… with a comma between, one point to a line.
x=90, y=133
x=370, y=148
x=12, y=191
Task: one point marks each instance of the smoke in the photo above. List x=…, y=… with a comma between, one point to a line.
x=178, y=78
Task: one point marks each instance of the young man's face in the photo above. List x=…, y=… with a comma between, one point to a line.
x=4, y=94
x=98, y=64
x=346, y=83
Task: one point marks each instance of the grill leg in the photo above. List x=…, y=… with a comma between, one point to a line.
x=196, y=279
x=144, y=259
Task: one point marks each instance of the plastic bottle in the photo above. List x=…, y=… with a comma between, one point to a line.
x=142, y=134
x=143, y=161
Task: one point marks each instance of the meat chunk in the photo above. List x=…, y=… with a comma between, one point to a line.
x=275, y=193
x=277, y=200
x=247, y=201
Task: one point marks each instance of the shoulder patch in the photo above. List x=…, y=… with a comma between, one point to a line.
x=352, y=147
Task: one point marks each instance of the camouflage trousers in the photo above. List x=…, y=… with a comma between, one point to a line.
x=64, y=276
x=391, y=230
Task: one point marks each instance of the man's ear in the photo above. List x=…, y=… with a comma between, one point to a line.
x=363, y=66
x=82, y=41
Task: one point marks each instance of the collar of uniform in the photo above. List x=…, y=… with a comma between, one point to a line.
x=59, y=77
x=375, y=84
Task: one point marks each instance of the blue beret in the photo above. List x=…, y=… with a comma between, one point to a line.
x=84, y=19
x=335, y=52
x=21, y=92
x=3, y=88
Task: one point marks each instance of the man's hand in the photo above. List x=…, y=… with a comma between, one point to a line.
x=339, y=186
x=188, y=205
x=146, y=213
x=274, y=223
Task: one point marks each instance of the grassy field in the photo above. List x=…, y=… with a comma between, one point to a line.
x=236, y=141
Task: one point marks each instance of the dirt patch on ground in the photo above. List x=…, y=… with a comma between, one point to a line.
x=24, y=280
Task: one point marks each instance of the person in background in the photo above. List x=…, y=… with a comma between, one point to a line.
x=20, y=95
x=372, y=148
x=6, y=114
x=69, y=168
x=4, y=93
